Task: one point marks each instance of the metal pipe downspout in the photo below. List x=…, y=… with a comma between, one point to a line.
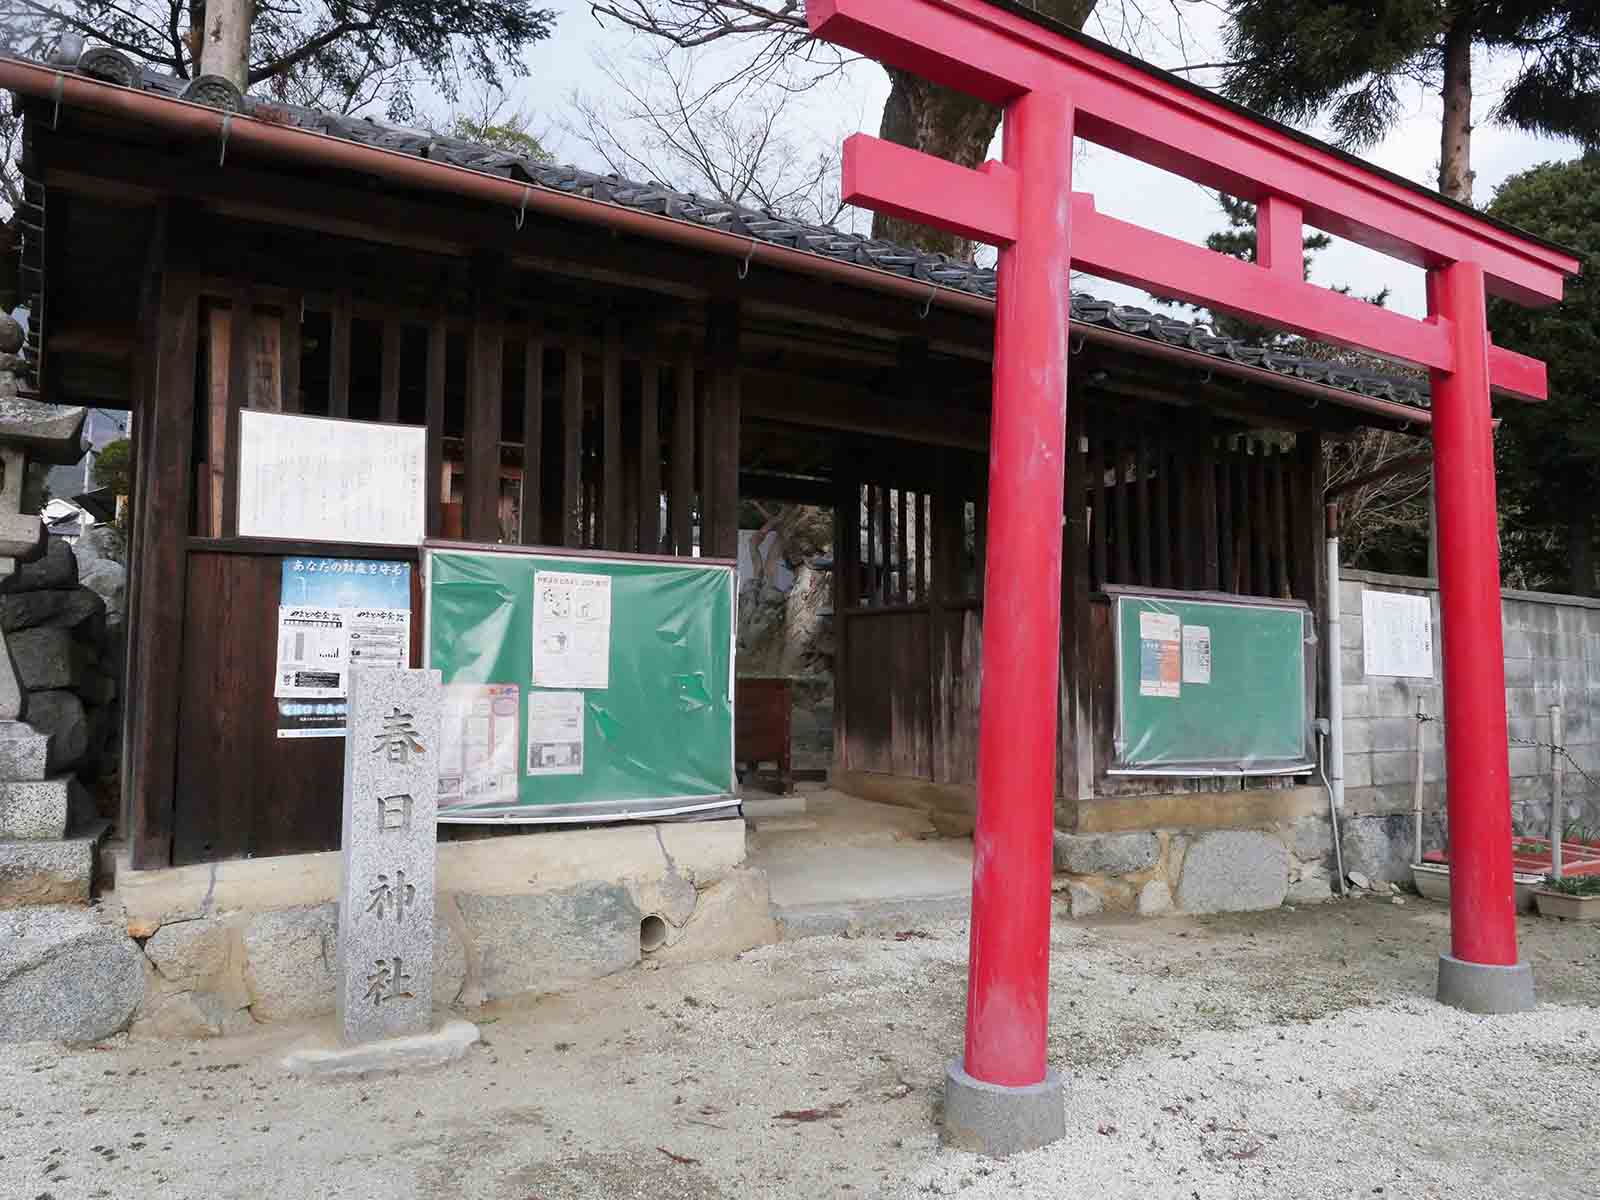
x=1332, y=631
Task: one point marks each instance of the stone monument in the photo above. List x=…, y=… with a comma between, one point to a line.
x=386, y=895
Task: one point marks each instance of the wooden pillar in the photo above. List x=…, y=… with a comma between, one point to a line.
x=158, y=584
x=722, y=465
x=434, y=484
x=846, y=569
x=240, y=345
x=485, y=374
x=572, y=531
x=649, y=455
x=1076, y=754
x=290, y=352
x=389, y=379
x=339, y=358
x=681, y=505
x=613, y=463
x=1206, y=500
x=533, y=436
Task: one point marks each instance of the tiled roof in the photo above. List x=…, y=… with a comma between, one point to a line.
x=764, y=226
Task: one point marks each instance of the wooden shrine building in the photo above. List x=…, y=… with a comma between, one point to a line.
x=608, y=364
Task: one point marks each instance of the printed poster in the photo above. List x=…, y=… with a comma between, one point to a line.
x=1396, y=634
x=1159, y=655
x=335, y=614
x=571, y=630
x=1197, y=654
x=478, y=757
x=555, y=733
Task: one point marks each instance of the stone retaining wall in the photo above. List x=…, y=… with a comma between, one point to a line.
x=218, y=949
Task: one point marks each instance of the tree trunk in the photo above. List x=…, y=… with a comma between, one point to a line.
x=1455, y=142
x=1580, y=555
x=226, y=50
x=948, y=125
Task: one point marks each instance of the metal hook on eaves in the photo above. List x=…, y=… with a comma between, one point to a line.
x=522, y=209
x=744, y=264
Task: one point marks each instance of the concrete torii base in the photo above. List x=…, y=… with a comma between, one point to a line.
x=1483, y=988
x=998, y=1121
x=325, y=1058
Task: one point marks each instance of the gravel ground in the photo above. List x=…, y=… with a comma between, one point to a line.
x=1285, y=1054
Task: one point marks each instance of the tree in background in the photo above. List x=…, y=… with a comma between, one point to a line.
x=491, y=120
x=1548, y=455
x=1301, y=59
x=337, y=54
x=948, y=124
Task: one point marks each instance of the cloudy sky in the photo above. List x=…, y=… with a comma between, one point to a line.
x=570, y=61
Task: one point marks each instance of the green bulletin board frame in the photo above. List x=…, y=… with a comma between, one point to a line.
x=1251, y=716
x=658, y=740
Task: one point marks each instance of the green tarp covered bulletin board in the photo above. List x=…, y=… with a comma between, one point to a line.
x=1211, y=686
x=580, y=687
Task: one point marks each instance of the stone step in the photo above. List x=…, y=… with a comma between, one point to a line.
x=24, y=751
x=47, y=872
x=36, y=808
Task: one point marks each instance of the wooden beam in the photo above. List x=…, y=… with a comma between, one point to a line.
x=290, y=353
x=339, y=357
x=649, y=455
x=240, y=361
x=572, y=530
x=722, y=336
x=156, y=637
x=219, y=347
x=681, y=506
x=438, y=360
x=533, y=436
x=612, y=462
x=389, y=385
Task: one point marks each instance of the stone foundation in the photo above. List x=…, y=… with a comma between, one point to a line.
x=218, y=949
x=1152, y=872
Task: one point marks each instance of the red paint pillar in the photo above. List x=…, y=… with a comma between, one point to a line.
x=1482, y=907
x=1009, y=967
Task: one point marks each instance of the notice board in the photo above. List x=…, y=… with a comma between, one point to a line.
x=329, y=480
x=580, y=687
x=1209, y=685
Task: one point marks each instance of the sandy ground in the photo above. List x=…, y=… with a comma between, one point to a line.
x=1286, y=1054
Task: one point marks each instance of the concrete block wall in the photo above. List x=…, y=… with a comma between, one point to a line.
x=1552, y=656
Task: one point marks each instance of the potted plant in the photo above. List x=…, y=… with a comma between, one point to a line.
x=1572, y=897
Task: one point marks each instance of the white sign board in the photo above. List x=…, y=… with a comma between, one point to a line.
x=325, y=480
x=1397, y=634
x=571, y=630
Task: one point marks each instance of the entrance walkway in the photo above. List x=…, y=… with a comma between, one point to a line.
x=837, y=864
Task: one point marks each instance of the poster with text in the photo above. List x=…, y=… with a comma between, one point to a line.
x=555, y=733
x=335, y=615
x=1159, y=655
x=571, y=630
x=478, y=755
x=1197, y=654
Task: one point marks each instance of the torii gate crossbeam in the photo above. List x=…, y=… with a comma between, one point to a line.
x=1055, y=84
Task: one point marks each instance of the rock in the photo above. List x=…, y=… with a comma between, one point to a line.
x=953, y=824
x=109, y=581
x=1311, y=837
x=46, y=872
x=1106, y=853
x=1309, y=889
x=1155, y=898
x=61, y=715
x=1380, y=846
x=180, y=1015
x=24, y=752
x=289, y=957
x=51, y=433
x=36, y=808
x=46, y=658
x=189, y=952
x=67, y=609
x=1083, y=901
x=551, y=941
x=97, y=688
x=67, y=975
x=671, y=897
x=1399, y=900
x=1233, y=871
x=54, y=569
x=10, y=335
x=449, y=960
x=101, y=542
x=1357, y=879
x=731, y=916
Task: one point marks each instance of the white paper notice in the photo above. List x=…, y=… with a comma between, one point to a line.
x=571, y=630
x=478, y=757
x=1196, y=654
x=555, y=733
x=313, y=653
x=379, y=637
x=1158, y=654
x=1396, y=634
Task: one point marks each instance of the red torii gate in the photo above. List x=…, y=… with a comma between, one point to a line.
x=1054, y=83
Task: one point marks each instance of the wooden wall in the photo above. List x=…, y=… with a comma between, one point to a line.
x=589, y=430
x=1163, y=499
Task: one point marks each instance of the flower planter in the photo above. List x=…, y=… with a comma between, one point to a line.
x=1566, y=906
x=1433, y=881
